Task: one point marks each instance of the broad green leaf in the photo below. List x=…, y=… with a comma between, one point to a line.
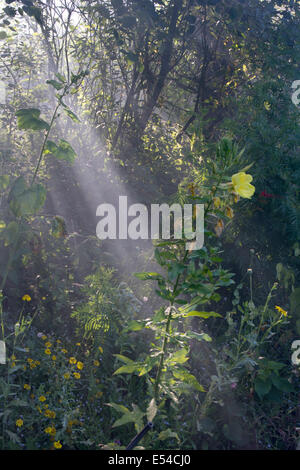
x=60, y=77
x=282, y=384
x=57, y=85
x=62, y=151
x=179, y=357
x=128, y=418
x=71, y=114
x=188, y=378
x=198, y=336
x=262, y=387
x=205, y=315
x=168, y=434
x=4, y=182
x=117, y=407
x=30, y=119
x=135, y=325
x=128, y=369
x=11, y=232
x=29, y=202
x=124, y=359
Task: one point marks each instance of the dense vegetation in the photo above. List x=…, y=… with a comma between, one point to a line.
x=166, y=101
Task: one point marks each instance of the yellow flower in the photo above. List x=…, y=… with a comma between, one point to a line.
x=66, y=375
x=29, y=360
x=79, y=365
x=100, y=349
x=78, y=344
x=96, y=363
x=64, y=351
x=44, y=337
x=19, y=423
x=241, y=184
x=53, y=358
x=50, y=414
x=50, y=430
x=26, y=298
x=76, y=375
x=48, y=344
x=42, y=398
x=72, y=360
x=47, y=351
x=57, y=445
x=280, y=310
x=27, y=387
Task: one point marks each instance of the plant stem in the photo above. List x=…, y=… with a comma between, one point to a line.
x=45, y=141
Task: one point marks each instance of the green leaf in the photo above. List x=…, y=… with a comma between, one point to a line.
x=168, y=434
x=198, y=336
x=26, y=201
x=282, y=384
x=151, y=410
x=57, y=85
x=30, y=119
x=124, y=359
x=179, y=357
x=128, y=369
x=124, y=420
x=205, y=315
x=62, y=151
x=120, y=408
x=4, y=182
x=262, y=387
x=146, y=276
x=60, y=77
x=71, y=115
x=188, y=378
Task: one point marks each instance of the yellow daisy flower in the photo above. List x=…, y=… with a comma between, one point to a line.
x=26, y=298
x=280, y=310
